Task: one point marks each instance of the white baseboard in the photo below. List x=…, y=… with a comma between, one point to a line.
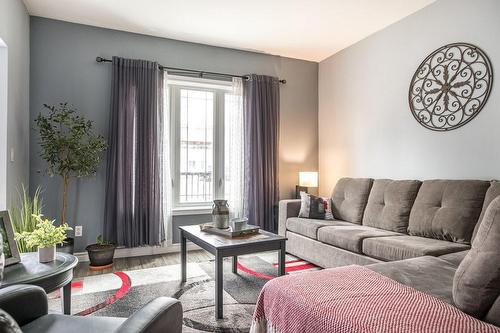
x=142, y=251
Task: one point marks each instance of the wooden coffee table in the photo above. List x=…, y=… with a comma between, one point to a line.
x=221, y=247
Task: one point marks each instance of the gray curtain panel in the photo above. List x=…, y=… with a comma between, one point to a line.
x=261, y=124
x=133, y=212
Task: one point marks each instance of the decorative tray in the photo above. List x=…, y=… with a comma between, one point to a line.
x=246, y=229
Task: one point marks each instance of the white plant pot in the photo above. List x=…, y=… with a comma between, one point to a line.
x=47, y=254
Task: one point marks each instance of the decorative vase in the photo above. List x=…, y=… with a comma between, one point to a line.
x=47, y=254
x=220, y=214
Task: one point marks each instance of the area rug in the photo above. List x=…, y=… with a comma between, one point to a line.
x=122, y=293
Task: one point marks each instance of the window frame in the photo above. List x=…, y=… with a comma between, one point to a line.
x=219, y=90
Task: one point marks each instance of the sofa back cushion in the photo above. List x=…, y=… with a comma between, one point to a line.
x=349, y=199
x=389, y=204
x=447, y=209
x=476, y=285
x=491, y=194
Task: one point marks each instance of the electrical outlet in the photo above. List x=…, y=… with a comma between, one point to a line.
x=78, y=231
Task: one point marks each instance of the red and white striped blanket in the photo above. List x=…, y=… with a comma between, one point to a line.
x=354, y=299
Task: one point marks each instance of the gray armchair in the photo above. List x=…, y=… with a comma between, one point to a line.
x=28, y=306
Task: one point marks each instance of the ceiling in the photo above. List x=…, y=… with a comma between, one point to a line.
x=303, y=29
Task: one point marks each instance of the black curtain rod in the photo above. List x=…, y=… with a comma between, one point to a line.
x=193, y=71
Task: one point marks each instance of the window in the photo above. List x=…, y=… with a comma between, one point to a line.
x=197, y=109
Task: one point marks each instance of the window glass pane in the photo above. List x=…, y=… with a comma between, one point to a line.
x=196, y=146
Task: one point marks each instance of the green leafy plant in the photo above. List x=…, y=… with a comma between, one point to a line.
x=69, y=146
x=46, y=234
x=101, y=241
x=21, y=215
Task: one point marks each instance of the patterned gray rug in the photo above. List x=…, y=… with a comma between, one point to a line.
x=122, y=293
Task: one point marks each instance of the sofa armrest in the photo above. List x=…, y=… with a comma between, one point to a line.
x=23, y=302
x=287, y=208
x=163, y=314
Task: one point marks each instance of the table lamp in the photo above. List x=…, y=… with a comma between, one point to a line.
x=306, y=179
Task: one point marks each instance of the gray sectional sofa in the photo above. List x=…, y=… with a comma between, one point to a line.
x=414, y=232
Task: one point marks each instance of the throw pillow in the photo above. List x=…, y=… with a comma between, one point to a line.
x=313, y=207
x=8, y=324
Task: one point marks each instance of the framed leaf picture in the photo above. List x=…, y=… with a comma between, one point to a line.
x=10, y=250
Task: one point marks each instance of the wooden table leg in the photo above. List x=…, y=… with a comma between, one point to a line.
x=282, y=258
x=183, y=257
x=235, y=264
x=66, y=299
x=218, y=286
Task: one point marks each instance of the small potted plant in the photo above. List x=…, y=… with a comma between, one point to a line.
x=101, y=254
x=45, y=237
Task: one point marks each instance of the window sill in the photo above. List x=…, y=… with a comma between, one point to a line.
x=181, y=211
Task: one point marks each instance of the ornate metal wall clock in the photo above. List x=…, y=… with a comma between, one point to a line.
x=450, y=87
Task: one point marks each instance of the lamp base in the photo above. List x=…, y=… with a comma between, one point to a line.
x=299, y=189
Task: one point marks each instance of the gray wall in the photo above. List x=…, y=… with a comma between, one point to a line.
x=63, y=68
x=365, y=125
x=14, y=31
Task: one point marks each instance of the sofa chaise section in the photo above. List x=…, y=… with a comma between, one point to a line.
x=428, y=274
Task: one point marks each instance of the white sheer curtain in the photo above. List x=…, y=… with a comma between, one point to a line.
x=166, y=181
x=234, y=150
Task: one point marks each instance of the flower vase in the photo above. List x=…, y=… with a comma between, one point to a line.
x=47, y=254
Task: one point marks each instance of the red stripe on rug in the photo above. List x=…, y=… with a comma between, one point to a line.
x=124, y=289
x=77, y=284
x=287, y=269
x=299, y=267
x=254, y=273
x=288, y=262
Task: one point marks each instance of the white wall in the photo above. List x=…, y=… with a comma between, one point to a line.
x=366, y=128
x=14, y=31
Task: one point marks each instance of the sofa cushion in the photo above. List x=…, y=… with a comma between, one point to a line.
x=454, y=258
x=492, y=193
x=428, y=274
x=309, y=227
x=476, y=285
x=447, y=209
x=349, y=199
x=350, y=237
x=389, y=204
x=404, y=247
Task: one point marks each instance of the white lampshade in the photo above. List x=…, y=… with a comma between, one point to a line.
x=308, y=179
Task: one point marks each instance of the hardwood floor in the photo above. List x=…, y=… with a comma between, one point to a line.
x=126, y=264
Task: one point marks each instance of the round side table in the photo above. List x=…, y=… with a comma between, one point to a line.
x=50, y=276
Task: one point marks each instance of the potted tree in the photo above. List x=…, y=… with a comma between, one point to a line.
x=44, y=237
x=70, y=148
x=101, y=254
